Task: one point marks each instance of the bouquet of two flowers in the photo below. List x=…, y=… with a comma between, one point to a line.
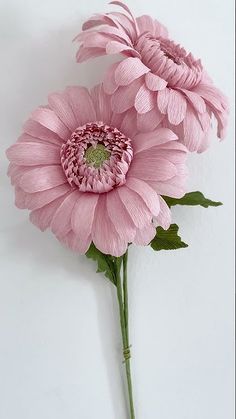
x=102, y=167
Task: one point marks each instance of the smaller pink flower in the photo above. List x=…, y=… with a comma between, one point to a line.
x=164, y=83
x=90, y=176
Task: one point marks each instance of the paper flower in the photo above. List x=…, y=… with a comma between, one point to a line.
x=159, y=78
x=90, y=176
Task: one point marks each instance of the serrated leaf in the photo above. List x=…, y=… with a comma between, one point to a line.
x=105, y=263
x=192, y=198
x=167, y=239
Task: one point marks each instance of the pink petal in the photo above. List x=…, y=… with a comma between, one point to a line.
x=123, y=5
x=164, y=216
x=196, y=101
x=72, y=241
x=20, y=198
x=83, y=215
x=171, y=154
x=104, y=235
x=193, y=132
x=96, y=20
x=135, y=206
x=212, y=95
x=129, y=70
x=109, y=83
x=145, y=24
x=61, y=222
x=147, y=122
x=163, y=99
x=144, y=237
x=152, y=169
x=42, y=217
x=58, y=102
x=129, y=123
x=145, y=100
x=154, y=82
x=101, y=103
x=148, y=195
x=39, y=199
x=115, y=47
x=82, y=105
x=177, y=106
x=148, y=140
x=124, y=98
x=33, y=154
x=42, y=178
x=48, y=119
x=36, y=130
x=84, y=53
x=120, y=217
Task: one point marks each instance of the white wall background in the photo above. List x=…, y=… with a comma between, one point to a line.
x=59, y=333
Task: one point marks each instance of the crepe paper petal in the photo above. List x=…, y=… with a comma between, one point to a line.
x=154, y=82
x=148, y=195
x=145, y=100
x=144, y=237
x=62, y=219
x=120, y=217
x=83, y=214
x=42, y=178
x=33, y=154
x=164, y=217
x=177, y=106
x=129, y=70
x=104, y=235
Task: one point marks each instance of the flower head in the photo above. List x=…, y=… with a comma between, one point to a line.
x=90, y=176
x=165, y=84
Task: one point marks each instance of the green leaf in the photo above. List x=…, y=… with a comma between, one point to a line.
x=106, y=263
x=167, y=239
x=192, y=198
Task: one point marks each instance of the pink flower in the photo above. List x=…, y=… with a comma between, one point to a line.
x=89, y=175
x=164, y=83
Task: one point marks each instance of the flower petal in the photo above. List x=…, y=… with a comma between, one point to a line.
x=36, y=130
x=42, y=178
x=145, y=100
x=196, y=100
x=163, y=99
x=42, y=217
x=119, y=216
x=148, y=195
x=104, y=235
x=147, y=122
x=83, y=215
x=152, y=169
x=148, y=140
x=124, y=97
x=177, y=106
x=47, y=118
x=61, y=222
x=82, y=105
x=129, y=70
x=135, y=206
x=144, y=237
x=33, y=154
x=154, y=82
x=109, y=83
x=59, y=103
x=39, y=199
x=164, y=217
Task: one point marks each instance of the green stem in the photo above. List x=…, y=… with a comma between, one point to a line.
x=122, y=295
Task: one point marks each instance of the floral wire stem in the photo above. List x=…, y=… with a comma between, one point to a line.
x=122, y=295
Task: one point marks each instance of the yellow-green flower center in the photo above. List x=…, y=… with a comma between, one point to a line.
x=97, y=155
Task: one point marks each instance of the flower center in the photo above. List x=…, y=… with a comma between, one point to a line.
x=96, y=158
x=96, y=155
x=169, y=61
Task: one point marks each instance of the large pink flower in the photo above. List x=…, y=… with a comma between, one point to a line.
x=164, y=83
x=88, y=175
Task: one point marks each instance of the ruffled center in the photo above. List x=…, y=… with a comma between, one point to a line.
x=169, y=61
x=96, y=158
